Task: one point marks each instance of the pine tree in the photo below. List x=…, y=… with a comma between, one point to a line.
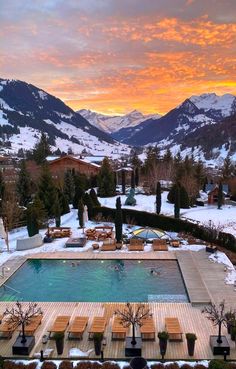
x=47, y=190
x=158, y=198
x=167, y=158
x=136, y=176
x=69, y=186
x=118, y=220
x=94, y=197
x=184, y=199
x=177, y=202
x=23, y=185
x=80, y=186
x=80, y=213
x=220, y=196
x=132, y=180
x=2, y=188
x=88, y=201
x=41, y=150
x=36, y=216
x=106, y=183
x=227, y=169
x=57, y=210
x=63, y=203
x=123, y=180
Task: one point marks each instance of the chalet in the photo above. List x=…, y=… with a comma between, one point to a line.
x=212, y=191
x=60, y=165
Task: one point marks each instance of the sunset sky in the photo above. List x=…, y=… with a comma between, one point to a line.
x=114, y=56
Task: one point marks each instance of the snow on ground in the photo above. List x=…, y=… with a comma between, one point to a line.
x=144, y=202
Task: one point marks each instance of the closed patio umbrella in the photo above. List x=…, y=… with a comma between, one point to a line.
x=2, y=230
x=85, y=214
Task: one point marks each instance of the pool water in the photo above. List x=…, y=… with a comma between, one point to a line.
x=96, y=281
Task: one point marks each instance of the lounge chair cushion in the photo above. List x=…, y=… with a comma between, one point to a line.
x=76, y=352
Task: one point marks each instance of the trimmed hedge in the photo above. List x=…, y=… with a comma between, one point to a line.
x=143, y=218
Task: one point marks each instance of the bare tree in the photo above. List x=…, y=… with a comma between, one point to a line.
x=22, y=316
x=129, y=316
x=216, y=314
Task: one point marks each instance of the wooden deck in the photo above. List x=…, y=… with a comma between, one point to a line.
x=203, y=280
x=190, y=318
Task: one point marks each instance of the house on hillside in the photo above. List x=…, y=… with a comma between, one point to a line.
x=60, y=165
x=212, y=191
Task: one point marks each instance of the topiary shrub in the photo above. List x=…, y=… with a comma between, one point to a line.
x=200, y=366
x=65, y=364
x=218, y=364
x=184, y=199
x=172, y=366
x=186, y=366
x=110, y=365
x=157, y=366
x=48, y=365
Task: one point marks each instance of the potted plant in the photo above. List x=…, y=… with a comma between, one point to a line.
x=233, y=332
x=59, y=338
x=97, y=338
x=191, y=338
x=163, y=339
x=230, y=318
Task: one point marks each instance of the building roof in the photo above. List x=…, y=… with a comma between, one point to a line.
x=72, y=158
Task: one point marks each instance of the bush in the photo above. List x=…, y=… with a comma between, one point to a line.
x=184, y=199
x=172, y=366
x=110, y=365
x=157, y=366
x=218, y=364
x=88, y=365
x=232, y=365
x=8, y=364
x=200, y=366
x=66, y=364
x=48, y=365
x=186, y=366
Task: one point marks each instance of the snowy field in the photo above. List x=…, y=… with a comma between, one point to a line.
x=145, y=203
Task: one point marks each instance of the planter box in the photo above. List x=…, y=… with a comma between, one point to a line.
x=219, y=348
x=20, y=348
x=133, y=350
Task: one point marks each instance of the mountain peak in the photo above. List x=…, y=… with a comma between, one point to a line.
x=211, y=101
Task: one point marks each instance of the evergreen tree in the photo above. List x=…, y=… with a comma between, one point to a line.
x=123, y=180
x=2, y=188
x=106, y=183
x=80, y=213
x=23, y=185
x=35, y=216
x=94, y=197
x=136, y=177
x=220, y=196
x=118, y=220
x=177, y=202
x=69, y=186
x=80, y=186
x=57, y=210
x=41, y=150
x=63, y=203
x=167, y=158
x=184, y=199
x=227, y=169
x=47, y=191
x=88, y=201
x=132, y=180
x=158, y=198
x=199, y=174
x=134, y=160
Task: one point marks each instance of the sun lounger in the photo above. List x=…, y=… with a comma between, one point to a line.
x=136, y=244
x=33, y=325
x=148, y=330
x=77, y=327
x=109, y=245
x=173, y=328
x=159, y=245
x=98, y=326
x=7, y=329
x=60, y=324
x=118, y=331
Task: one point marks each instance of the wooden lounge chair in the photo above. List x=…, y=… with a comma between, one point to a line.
x=60, y=324
x=118, y=331
x=98, y=326
x=148, y=330
x=136, y=244
x=173, y=328
x=108, y=245
x=77, y=327
x=7, y=329
x=175, y=243
x=33, y=325
x=159, y=245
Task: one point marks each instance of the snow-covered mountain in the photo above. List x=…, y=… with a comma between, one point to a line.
x=186, y=120
x=112, y=124
x=26, y=111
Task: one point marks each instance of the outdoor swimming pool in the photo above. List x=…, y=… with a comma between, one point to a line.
x=96, y=281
